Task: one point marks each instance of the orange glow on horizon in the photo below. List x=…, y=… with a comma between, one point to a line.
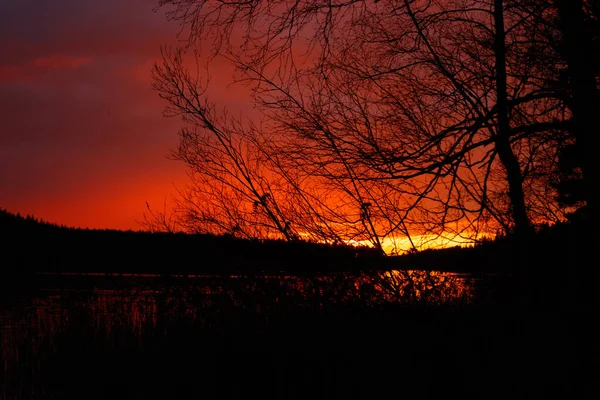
x=119, y=207
x=83, y=140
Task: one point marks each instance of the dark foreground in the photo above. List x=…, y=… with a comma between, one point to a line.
x=111, y=337
x=519, y=322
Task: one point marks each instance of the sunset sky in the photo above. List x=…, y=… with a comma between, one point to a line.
x=83, y=140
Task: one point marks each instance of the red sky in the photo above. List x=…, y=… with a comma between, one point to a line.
x=82, y=140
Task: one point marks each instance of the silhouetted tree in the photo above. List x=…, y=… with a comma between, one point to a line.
x=379, y=119
x=579, y=24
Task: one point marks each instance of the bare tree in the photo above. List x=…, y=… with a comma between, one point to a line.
x=380, y=119
x=230, y=192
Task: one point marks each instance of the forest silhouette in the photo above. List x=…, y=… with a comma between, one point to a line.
x=33, y=246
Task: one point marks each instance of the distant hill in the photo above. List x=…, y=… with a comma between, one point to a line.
x=31, y=245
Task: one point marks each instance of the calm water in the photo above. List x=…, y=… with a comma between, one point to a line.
x=98, y=336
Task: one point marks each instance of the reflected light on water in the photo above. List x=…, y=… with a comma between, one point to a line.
x=431, y=287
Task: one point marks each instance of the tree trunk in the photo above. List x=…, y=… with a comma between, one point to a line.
x=522, y=226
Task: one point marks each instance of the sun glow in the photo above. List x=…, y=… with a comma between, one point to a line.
x=403, y=244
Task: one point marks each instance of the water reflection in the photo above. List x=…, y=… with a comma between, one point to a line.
x=55, y=323
x=431, y=287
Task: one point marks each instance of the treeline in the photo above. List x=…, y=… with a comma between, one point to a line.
x=30, y=245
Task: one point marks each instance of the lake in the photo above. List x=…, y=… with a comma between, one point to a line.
x=141, y=336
